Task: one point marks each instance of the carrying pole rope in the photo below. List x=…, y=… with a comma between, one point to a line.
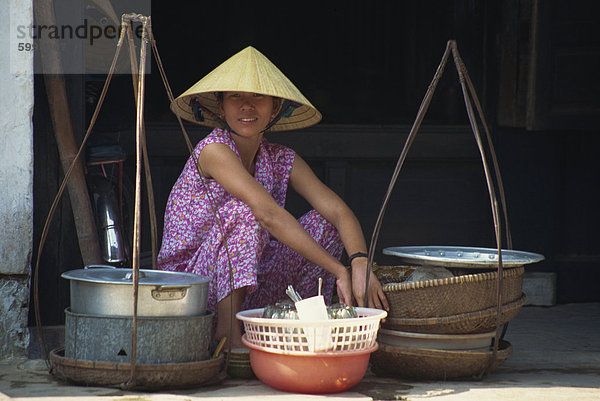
x=411, y=136
x=462, y=73
x=135, y=79
x=139, y=133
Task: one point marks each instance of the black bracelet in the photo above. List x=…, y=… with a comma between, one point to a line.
x=357, y=255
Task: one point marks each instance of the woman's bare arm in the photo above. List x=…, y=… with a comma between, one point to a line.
x=335, y=210
x=218, y=161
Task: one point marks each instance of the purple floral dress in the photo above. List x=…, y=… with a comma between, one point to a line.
x=193, y=240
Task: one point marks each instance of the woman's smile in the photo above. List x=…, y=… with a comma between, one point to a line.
x=248, y=113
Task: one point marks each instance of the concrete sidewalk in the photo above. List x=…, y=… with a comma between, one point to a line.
x=556, y=356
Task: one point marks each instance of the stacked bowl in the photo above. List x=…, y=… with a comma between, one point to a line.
x=444, y=328
x=314, y=357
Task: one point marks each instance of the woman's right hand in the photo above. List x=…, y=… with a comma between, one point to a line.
x=374, y=297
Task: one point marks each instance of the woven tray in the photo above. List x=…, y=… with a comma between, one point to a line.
x=150, y=377
x=464, y=323
x=452, y=296
x=435, y=364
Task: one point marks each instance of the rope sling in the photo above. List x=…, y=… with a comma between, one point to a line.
x=142, y=160
x=470, y=98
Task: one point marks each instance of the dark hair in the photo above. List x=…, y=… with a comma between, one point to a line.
x=219, y=96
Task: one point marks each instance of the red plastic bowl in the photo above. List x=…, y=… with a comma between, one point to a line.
x=309, y=373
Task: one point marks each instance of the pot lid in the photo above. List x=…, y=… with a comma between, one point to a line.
x=108, y=275
x=461, y=256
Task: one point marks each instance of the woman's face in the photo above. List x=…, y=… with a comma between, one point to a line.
x=248, y=113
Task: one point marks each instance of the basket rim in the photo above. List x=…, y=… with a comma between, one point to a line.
x=372, y=314
x=150, y=377
x=434, y=364
x=412, y=334
x=504, y=350
x=57, y=357
x=462, y=279
x=340, y=353
x=462, y=316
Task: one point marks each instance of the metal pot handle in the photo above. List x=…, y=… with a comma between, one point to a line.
x=170, y=292
x=172, y=287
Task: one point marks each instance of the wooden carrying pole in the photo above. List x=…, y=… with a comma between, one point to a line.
x=65, y=139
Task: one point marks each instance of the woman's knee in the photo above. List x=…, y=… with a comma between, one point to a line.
x=319, y=228
x=236, y=212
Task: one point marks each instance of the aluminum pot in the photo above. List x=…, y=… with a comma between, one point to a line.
x=106, y=290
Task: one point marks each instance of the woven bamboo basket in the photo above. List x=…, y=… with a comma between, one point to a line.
x=452, y=296
x=150, y=377
x=481, y=321
x=434, y=364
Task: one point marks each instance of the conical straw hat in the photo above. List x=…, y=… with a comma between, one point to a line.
x=247, y=71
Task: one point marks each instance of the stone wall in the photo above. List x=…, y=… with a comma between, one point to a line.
x=16, y=178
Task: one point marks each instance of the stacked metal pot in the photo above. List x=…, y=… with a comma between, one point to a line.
x=173, y=325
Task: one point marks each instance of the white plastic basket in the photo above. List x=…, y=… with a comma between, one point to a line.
x=290, y=336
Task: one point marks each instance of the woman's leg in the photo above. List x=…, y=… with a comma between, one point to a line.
x=280, y=266
x=227, y=324
x=243, y=246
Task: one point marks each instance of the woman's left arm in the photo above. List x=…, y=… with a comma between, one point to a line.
x=334, y=209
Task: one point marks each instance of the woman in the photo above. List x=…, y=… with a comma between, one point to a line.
x=225, y=218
